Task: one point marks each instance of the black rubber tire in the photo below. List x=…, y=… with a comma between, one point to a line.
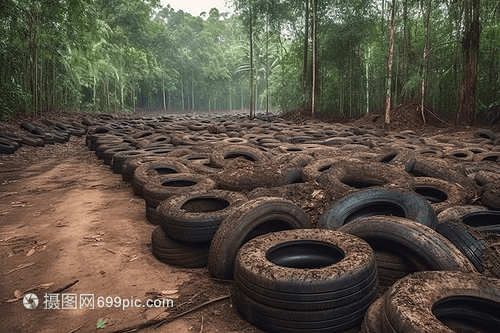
x=485, y=133
x=372, y=322
x=132, y=163
x=399, y=157
x=308, y=269
x=348, y=176
x=423, y=246
x=29, y=141
x=177, y=253
x=471, y=244
x=163, y=187
x=224, y=153
x=440, y=193
x=152, y=215
x=196, y=216
x=7, y=146
x=150, y=170
x=462, y=155
x=378, y=201
x=120, y=157
x=27, y=126
x=109, y=153
x=305, y=280
x=484, y=221
x=392, y=266
x=252, y=218
x=454, y=213
x=430, y=302
x=439, y=168
x=491, y=196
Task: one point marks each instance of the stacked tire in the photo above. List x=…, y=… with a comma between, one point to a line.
x=306, y=280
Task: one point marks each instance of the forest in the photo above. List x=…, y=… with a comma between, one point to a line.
x=346, y=57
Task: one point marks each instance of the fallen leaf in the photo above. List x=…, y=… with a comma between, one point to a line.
x=20, y=267
x=30, y=252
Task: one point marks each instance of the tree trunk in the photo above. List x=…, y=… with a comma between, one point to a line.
x=313, y=92
x=427, y=15
x=387, y=119
x=466, y=114
x=306, y=52
x=252, y=115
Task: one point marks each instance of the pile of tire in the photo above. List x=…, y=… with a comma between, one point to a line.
x=220, y=191
x=39, y=134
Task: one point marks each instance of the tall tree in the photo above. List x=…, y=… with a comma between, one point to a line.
x=387, y=118
x=466, y=113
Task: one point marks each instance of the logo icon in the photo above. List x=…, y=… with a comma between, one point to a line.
x=100, y=323
x=30, y=301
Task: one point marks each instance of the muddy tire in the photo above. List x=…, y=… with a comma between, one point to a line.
x=348, y=176
x=224, y=153
x=378, y=201
x=440, y=193
x=469, y=243
x=392, y=266
x=150, y=170
x=423, y=246
x=249, y=220
x=484, y=221
x=445, y=302
x=163, y=187
x=7, y=146
x=298, y=280
x=196, y=216
x=454, y=213
x=372, y=322
x=177, y=253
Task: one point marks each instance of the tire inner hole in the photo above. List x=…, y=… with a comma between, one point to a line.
x=465, y=314
x=165, y=170
x=236, y=155
x=361, y=184
x=376, y=208
x=491, y=158
x=460, y=155
x=305, y=254
x=204, y=205
x=431, y=194
x=178, y=183
x=324, y=168
x=388, y=158
x=482, y=219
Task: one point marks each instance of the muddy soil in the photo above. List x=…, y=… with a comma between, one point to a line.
x=65, y=217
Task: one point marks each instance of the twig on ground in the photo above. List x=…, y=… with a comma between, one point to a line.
x=76, y=329
x=65, y=287
x=158, y=322
x=201, y=330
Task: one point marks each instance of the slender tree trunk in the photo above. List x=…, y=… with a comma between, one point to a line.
x=182, y=92
x=367, y=81
x=313, y=92
x=387, y=119
x=192, y=91
x=427, y=15
x=306, y=52
x=163, y=91
x=252, y=114
x=466, y=114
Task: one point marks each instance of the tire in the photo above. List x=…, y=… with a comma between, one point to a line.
x=469, y=243
x=372, y=322
x=150, y=170
x=310, y=280
x=423, y=246
x=392, y=266
x=347, y=176
x=120, y=157
x=163, y=187
x=253, y=218
x=491, y=196
x=224, y=153
x=176, y=253
x=132, y=163
x=486, y=134
x=196, y=216
x=445, y=302
x=441, y=194
x=7, y=146
x=378, y=201
x=399, y=157
x=455, y=213
x=462, y=155
x=484, y=221
x=438, y=168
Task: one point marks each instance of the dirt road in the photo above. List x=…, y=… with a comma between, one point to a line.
x=65, y=217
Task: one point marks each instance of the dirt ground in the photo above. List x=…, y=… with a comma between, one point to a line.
x=66, y=217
